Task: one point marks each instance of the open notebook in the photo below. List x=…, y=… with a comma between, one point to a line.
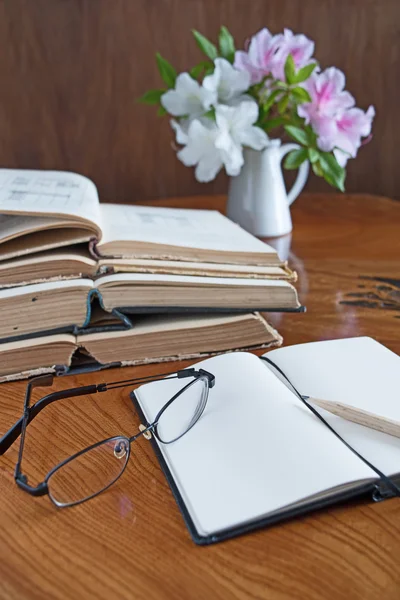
x=44, y=210
x=258, y=455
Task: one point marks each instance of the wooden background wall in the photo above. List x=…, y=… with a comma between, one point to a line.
x=70, y=71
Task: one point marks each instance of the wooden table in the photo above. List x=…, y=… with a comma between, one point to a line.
x=131, y=541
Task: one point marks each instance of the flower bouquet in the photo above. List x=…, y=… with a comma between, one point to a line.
x=236, y=99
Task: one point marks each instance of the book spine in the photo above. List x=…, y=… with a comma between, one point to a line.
x=95, y=293
x=91, y=294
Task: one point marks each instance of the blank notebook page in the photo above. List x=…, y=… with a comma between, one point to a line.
x=355, y=371
x=253, y=451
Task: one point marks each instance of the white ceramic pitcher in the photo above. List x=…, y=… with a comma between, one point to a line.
x=258, y=200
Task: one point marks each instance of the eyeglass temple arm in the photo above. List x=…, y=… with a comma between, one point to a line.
x=15, y=431
x=191, y=372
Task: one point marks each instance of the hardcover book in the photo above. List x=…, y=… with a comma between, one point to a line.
x=42, y=211
x=151, y=338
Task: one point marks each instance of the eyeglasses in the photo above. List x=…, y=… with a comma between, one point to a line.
x=94, y=469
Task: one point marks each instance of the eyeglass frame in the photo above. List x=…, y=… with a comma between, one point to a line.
x=145, y=429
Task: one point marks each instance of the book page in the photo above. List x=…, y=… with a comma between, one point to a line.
x=31, y=290
x=253, y=451
x=202, y=229
x=16, y=225
x=78, y=253
x=359, y=372
x=51, y=193
x=194, y=268
x=158, y=278
x=160, y=323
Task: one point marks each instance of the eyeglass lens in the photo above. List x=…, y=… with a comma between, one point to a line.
x=89, y=473
x=183, y=412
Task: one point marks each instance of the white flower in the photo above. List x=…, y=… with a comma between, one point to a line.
x=210, y=145
x=236, y=129
x=226, y=81
x=200, y=149
x=181, y=135
x=188, y=98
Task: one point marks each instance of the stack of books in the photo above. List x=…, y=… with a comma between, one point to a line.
x=85, y=285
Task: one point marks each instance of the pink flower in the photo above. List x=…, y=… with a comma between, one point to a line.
x=267, y=54
x=328, y=97
x=299, y=46
x=258, y=61
x=351, y=127
x=332, y=115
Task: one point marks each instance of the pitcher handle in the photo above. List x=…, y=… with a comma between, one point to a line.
x=301, y=175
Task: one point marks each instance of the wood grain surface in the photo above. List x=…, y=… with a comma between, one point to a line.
x=131, y=542
x=71, y=71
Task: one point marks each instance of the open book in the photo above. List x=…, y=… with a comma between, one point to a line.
x=45, y=210
x=76, y=261
x=258, y=455
x=61, y=305
x=152, y=338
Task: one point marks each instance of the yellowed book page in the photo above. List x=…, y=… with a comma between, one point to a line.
x=40, y=241
x=42, y=307
x=38, y=342
x=183, y=280
x=52, y=265
x=14, y=226
x=125, y=265
x=160, y=323
x=42, y=353
x=160, y=337
x=190, y=228
x=49, y=193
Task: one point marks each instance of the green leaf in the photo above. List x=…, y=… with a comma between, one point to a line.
x=226, y=44
x=296, y=120
x=273, y=123
x=295, y=158
x=317, y=169
x=282, y=104
x=333, y=173
x=205, y=45
x=304, y=73
x=196, y=71
x=161, y=112
x=271, y=99
x=258, y=87
x=313, y=155
x=328, y=159
x=210, y=114
x=167, y=71
x=297, y=134
x=312, y=136
x=290, y=69
x=152, y=97
x=301, y=95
